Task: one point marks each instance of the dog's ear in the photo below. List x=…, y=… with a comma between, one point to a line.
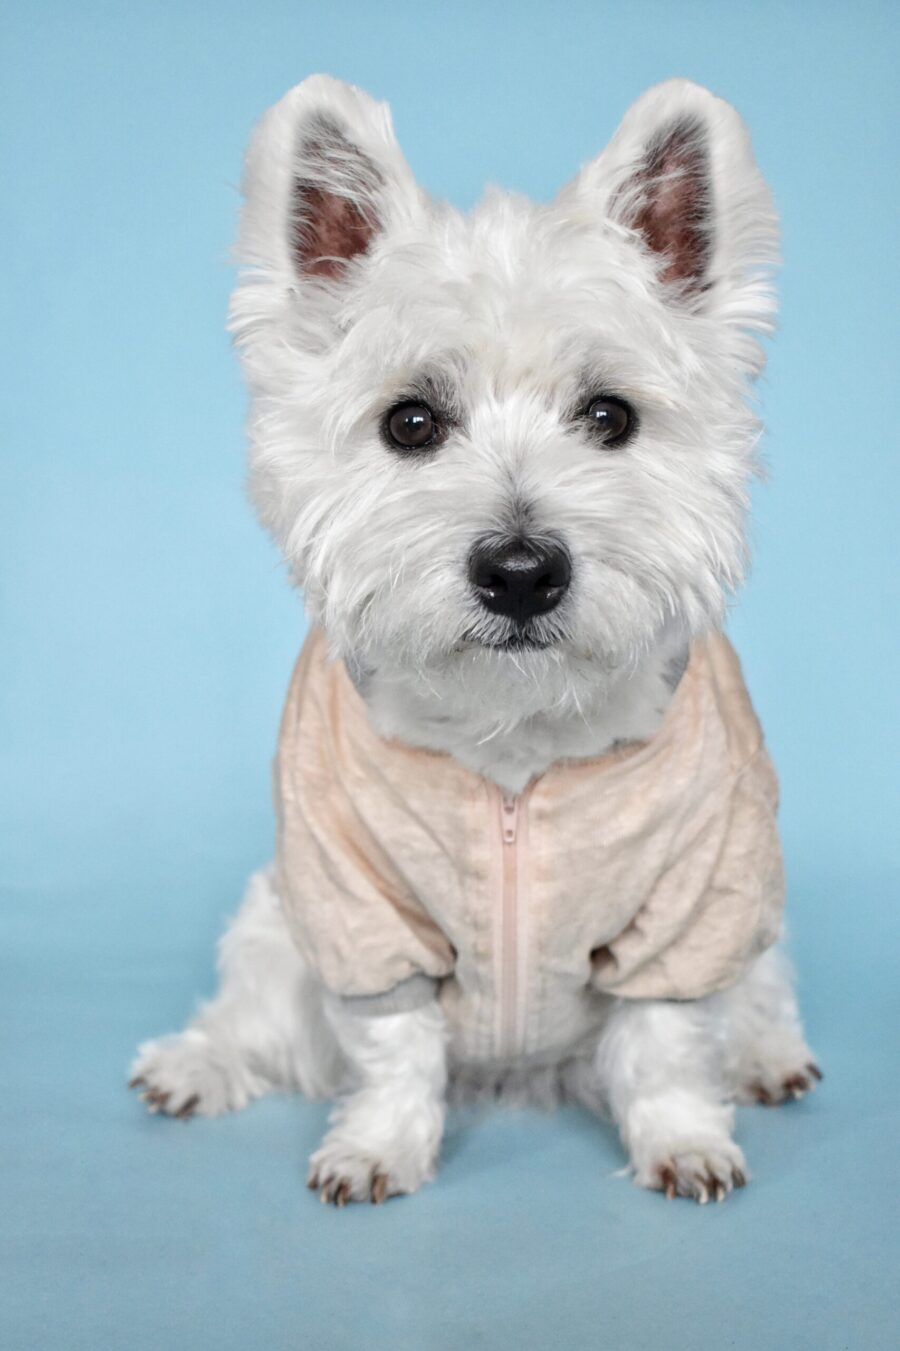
x=679, y=177
x=323, y=178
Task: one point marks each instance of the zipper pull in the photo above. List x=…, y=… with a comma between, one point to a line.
x=509, y=817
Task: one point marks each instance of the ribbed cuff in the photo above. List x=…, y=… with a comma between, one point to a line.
x=409, y=994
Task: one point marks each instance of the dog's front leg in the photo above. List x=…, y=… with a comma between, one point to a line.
x=660, y=1063
x=385, y=1134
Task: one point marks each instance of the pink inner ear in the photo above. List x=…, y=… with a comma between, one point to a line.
x=330, y=231
x=674, y=209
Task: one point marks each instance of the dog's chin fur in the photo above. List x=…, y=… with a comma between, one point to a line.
x=648, y=280
x=555, y=703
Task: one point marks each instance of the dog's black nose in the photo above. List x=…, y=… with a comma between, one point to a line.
x=519, y=578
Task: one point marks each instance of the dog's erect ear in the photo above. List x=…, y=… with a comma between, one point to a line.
x=334, y=204
x=680, y=177
x=323, y=178
x=667, y=200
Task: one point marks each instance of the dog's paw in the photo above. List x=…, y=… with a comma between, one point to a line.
x=777, y=1077
x=186, y=1075
x=772, y=1089
x=342, y=1170
x=702, y=1172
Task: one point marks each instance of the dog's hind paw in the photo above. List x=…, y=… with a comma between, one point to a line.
x=186, y=1075
x=773, y=1079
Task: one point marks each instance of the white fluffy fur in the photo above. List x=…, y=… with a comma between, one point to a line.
x=513, y=311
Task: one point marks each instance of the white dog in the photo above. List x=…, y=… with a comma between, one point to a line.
x=506, y=456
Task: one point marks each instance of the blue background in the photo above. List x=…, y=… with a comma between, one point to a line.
x=147, y=636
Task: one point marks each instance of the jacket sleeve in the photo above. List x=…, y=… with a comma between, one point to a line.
x=714, y=909
x=349, y=909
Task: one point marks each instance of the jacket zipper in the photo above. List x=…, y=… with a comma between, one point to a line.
x=512, y=936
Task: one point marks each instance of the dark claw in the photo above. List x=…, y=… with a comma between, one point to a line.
x=815, y=1072
x=139, y=1079
x=155, y=1100
x=715, y=1187
x=313, y=1182
x=188, y=1108
x=764, y=1096
x=667, y=1182
x=738, y=1178
x=378, y=1189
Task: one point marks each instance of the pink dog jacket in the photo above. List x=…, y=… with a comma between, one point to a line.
x=649, y=872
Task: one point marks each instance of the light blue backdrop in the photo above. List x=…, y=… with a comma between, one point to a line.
x=147, y=634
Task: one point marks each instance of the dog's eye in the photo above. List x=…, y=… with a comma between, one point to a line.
x=610, y=420
x=411, y=426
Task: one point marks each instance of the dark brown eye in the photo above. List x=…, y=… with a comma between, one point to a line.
x=610, y=420
x=411, y=426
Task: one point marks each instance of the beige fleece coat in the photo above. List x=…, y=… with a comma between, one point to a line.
x=649, y=872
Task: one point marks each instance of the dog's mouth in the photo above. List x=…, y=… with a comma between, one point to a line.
x=519, y=641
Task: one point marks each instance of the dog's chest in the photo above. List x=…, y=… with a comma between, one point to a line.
x=650, y=872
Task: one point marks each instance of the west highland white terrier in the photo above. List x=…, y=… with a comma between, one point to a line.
x=526, y=839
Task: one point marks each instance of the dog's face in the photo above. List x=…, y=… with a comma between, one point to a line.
x=512, y=447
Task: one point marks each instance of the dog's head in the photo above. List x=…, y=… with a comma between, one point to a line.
x=519, y=440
